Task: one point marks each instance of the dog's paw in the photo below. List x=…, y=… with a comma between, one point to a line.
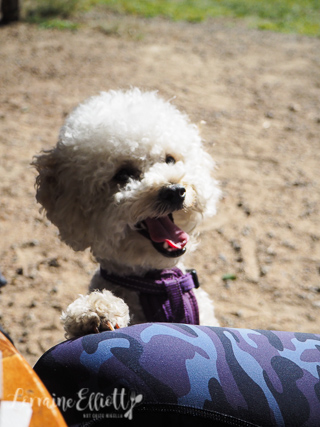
x=96, y=312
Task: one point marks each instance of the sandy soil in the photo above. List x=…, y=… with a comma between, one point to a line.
x=259, y=94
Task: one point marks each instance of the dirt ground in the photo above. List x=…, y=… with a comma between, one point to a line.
x=259, y=95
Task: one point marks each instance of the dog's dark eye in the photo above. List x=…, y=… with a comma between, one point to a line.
x=124, y=174
x=170, y=160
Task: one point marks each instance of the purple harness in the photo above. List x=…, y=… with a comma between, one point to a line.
x=165, y=295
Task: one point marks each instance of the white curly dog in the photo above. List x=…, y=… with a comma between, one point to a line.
x=130, y=180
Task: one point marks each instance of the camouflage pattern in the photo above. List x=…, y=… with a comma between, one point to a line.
x=243, y=376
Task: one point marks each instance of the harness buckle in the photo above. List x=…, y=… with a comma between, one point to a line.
x=195, y=278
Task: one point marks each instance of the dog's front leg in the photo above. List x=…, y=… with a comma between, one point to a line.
x=95, y=312
x=206, y=308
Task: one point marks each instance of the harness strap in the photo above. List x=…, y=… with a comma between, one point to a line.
x=165, y=295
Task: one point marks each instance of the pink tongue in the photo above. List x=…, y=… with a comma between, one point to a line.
x=164, y=230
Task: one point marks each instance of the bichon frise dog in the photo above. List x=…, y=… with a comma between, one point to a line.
x=129, y=179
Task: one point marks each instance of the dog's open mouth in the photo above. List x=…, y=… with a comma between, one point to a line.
x=166, y=237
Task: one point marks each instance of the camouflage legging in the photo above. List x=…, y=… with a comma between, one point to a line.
x=175, y=374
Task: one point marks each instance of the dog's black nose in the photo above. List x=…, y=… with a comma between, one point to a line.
x=174, y=195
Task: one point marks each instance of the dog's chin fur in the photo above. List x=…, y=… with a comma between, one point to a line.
x=78, y=182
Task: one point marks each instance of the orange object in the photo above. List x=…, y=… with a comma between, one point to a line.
x=21, y=383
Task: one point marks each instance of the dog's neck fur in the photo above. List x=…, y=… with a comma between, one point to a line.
x=121, y=270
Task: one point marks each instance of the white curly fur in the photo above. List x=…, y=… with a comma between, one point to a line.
x=92, y=312
x=76, y=185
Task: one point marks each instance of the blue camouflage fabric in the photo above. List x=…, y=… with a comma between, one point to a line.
x=222, y=376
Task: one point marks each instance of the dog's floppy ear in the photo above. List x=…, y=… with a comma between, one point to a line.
x=46, y=181
x=58, y=195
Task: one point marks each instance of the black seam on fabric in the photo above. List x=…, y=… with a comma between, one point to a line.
x=196, y=412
